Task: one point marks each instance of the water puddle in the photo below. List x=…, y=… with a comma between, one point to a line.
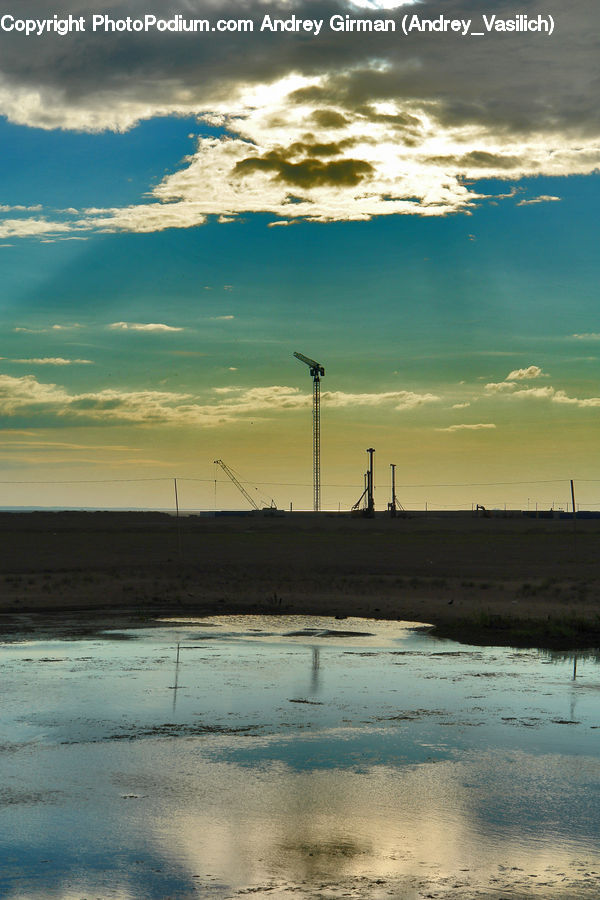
x=288, y=756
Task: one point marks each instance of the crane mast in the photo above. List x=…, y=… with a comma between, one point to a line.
x=317, y=371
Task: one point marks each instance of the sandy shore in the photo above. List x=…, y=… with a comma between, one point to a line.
x=519, y=581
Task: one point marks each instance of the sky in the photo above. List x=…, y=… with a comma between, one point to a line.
x=415, y=206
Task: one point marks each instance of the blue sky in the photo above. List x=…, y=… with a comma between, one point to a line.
x=162, y=258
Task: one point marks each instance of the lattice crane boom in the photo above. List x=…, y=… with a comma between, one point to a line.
x=238, y=484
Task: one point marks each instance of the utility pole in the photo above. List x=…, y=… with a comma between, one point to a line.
x=317, y=371
x=177, y=516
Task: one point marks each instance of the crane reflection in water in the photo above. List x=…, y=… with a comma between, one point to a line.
x=315, y=672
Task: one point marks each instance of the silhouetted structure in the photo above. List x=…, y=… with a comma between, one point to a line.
x=317, y=371
x=367, y=494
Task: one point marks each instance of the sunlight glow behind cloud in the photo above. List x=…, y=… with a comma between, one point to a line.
x=340, y=128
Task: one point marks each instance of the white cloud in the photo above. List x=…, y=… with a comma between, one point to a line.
x=543, y=198
x=539, y=393
x=25, y=330
x=581, y=402
x=273, y=397
x=54, y=361
x=479, y=426
x=400, y=400
x=270, y=166
x=280, y=397
x=460, y=405
x=34, y=227
x=16, y=392
x=589, y=336
x=20, y=208
x=513, y=390
x=525, y=374
x=139, y=326
x=497, y=387
x=145, y=218
x=510, y=382
x=222, y=318
x=26, y=397
x=405, y=161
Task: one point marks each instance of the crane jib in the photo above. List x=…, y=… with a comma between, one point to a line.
x=316, y=369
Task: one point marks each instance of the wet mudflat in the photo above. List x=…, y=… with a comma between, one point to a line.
x=295, y=756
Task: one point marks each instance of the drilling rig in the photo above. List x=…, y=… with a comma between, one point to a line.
x=317, y=371
x=368, y=493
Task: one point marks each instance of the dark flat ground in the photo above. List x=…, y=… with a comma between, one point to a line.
x=463, y=573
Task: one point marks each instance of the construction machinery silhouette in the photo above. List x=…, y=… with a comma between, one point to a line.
x=230, y=474
x=317, y=371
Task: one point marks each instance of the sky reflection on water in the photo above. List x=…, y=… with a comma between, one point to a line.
x=277, y=755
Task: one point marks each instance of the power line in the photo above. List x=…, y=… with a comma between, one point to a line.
x=448, y=484
x=95, y=481
x=424, y=485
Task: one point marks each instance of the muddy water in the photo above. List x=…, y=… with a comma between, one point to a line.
x=288, y=757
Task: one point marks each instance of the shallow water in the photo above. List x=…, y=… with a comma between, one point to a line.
x=296, y=757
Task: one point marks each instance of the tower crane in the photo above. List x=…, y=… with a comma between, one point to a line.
x=317, y=371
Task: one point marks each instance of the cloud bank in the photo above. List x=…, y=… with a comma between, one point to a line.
x=27, y=399
x=342, y=126
x=513, y=388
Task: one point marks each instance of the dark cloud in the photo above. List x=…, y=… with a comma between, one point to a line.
x=327, y=118
x=479, y=159
x=309, y=172
x=309, y=148
x=402, y=120
x=317, y=94
x=517, y=82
